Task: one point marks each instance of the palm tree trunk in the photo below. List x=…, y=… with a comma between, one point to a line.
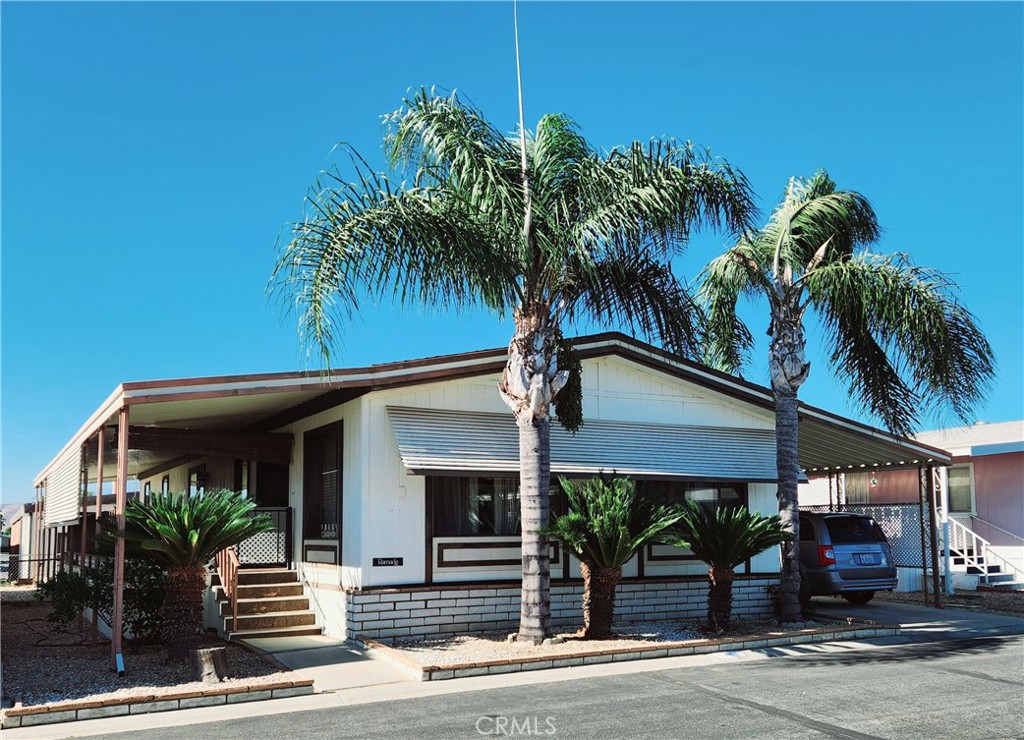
x=534, y=480
x=529, y=385
x=788, y=367
x=599, y=600
x=183, y=611
x=720, y=598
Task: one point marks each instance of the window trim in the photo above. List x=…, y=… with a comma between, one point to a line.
x=949, y=498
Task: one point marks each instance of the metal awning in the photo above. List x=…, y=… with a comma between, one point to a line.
x=460, y=442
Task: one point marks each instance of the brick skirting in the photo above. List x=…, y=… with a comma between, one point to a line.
x=443, y=610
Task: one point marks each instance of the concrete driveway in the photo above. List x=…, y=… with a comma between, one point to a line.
x=923, y=624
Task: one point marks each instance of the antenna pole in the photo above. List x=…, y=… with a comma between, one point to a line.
x=528, y=206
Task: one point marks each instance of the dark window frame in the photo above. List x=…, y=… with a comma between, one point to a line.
x=312, y=501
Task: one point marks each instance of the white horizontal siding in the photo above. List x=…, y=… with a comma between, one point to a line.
x=63, y=488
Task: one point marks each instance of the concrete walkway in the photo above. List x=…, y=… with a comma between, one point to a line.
x=333, y=664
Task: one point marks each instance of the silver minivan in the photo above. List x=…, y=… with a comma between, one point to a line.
x=845, y=555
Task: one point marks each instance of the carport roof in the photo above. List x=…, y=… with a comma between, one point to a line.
x=265, y=402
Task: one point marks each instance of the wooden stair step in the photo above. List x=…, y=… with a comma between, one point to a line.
x=266, y=605
x=271, y=620
x=266, y=575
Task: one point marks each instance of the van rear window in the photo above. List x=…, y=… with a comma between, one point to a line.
x=851, y=530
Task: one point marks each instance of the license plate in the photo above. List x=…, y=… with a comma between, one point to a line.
x=869, y=559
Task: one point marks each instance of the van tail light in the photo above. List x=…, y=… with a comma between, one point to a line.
x=826, y=555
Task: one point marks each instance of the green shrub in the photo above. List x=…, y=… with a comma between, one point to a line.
x=93, y=588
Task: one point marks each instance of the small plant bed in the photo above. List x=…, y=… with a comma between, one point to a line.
x=47, y=670
x=481, y=654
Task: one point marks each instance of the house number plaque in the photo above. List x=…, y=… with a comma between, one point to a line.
x=379, y=562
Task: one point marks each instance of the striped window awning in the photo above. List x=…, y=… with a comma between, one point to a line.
x=462, y=442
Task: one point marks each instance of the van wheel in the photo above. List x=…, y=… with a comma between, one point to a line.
x=859, y=597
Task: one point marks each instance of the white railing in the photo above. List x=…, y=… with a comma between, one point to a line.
x=977, y=520
x=975, y=550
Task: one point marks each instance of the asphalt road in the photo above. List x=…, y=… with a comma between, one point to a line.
x=960, y=689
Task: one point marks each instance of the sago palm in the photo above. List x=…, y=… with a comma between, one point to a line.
x=606, y=524
x=183, y=533
x=546, y=229
x=724, y=538
x=898, y=336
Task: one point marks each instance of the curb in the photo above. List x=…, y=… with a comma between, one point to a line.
x=71, y=711
x=855, y=630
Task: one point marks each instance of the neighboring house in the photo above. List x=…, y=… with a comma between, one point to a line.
x=394, y=487
x=18, y=564
x=984, y=490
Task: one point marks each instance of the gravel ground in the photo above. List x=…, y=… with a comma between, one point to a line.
x=997, y=602
x=42, y=665
x=494, y=645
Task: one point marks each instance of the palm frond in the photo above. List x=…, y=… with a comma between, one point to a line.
x=181, y=531
x=607, y=521
x=445, y=141
x=727, y=340
x=420, y=246
x=901, y=337
x=726, y=537
x=636, y=291
x=653, y=195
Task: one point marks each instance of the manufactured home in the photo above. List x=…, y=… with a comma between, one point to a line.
x=394, y=487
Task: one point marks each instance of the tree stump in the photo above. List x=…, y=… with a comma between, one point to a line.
x=209, y=665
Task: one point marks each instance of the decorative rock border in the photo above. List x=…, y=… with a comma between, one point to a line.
x=70, y=711
x=645, y=652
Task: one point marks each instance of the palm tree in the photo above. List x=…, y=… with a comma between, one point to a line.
x=552, y=232
x=605, y=526
x=183, y=533
x=898, y=335
x=724, y=538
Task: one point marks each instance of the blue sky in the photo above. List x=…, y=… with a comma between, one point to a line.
x=154, y=153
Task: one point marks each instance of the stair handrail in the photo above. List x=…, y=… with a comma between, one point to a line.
x=997, y=528
x=227, y=571
x=975, y=549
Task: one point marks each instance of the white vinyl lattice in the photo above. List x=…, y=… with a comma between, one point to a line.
x=902, y=526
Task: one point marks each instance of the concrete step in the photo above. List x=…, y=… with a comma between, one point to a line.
x=271, y=620
x=266, y=605
x=280, y=632
x=260, y=576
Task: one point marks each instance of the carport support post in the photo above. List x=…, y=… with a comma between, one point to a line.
x=933, y=533
x=942, y=478
x=101, y=442
x=120, y=497
x=922, y=485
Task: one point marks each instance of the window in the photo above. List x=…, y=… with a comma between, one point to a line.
x=165, y=484
x=961, y=488
x=197, y=481
x=470, y=506
x=855, y=486
x=145, y=491
x=853, y=530
x=709, y=495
